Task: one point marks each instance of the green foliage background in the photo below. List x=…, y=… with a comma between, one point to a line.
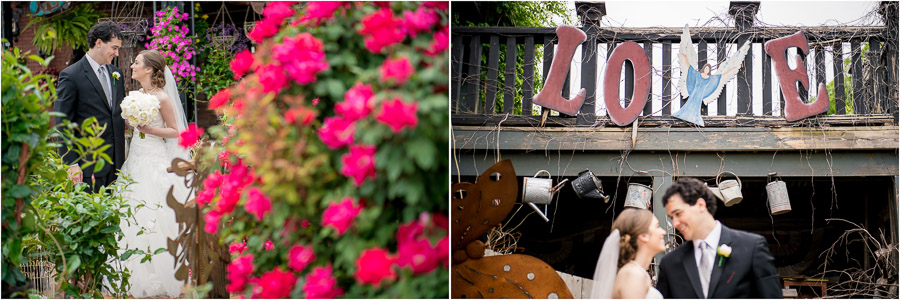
x=512, y=14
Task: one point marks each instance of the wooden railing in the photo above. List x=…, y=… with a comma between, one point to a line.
x=873, y=79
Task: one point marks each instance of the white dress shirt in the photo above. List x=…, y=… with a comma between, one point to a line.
x=712, y=239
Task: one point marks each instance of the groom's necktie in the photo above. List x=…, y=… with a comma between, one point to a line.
x=705, y=270
x=101, y=73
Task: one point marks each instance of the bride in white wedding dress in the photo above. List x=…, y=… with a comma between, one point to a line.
x=621, y=271
x=146, y=164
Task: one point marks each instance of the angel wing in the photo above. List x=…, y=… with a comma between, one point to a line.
x=687, y=58
x=728, y=69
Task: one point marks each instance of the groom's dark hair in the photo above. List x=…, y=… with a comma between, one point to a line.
x=104, y=31
x=690, y=190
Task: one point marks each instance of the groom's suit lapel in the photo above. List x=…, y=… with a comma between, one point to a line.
x=690, y=267
x=715, y=277
x=89, y=74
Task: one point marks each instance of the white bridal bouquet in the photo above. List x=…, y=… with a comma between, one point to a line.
x=140, y=108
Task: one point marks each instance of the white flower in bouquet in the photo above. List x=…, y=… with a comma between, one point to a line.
x=140, y=108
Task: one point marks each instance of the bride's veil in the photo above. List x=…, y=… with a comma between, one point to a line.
x=607, y=266
x=174, y=150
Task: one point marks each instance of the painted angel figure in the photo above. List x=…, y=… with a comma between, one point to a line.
x=703, y=85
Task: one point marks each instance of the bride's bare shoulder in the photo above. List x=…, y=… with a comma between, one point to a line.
x=162, y=96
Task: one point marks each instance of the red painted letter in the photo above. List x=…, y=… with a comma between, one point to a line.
x=794, y=107
x=551, y=97
x=633, y=52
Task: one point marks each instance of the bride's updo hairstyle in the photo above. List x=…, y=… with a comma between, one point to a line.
x=631, y=223
x=154, y=60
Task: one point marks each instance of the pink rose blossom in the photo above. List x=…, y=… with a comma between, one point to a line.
x=440, y=43
x=396, y=70
x=220, y=98
x=321, y=284
x=237, y=247
x=189, y=137
x=268, y=246
x=396, y=114
x=409, y=232
x=264, y=29
x=277, y=11
x=241, y=64
x=381, y=30
x=340, y=215
x=319, y=11
x=302, y=56
x=357, y=102
x=337, y=132
x=257, y=203
x=275, y=284
x=272, y=78
x=420, y=20
x=212, y=221
x=304, y=224
x=418, y=255
x=239, y=271
x=359, y=163
x=375, y=265
x=300, y=256
x=442, y=5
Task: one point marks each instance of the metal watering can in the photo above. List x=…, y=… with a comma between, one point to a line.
x=638, y=196
x=730, y=190
x=776, y=189
x=588, y=186
x=538, y=190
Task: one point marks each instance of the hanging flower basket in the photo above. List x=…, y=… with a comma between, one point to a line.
x=131, y=28
x=223, y=42
x=248, y=27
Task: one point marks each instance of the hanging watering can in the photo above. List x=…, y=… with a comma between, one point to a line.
x=539, y=191
x=730, y=189
x=588, y=186
x=715, y=191
x=778, y=195
x=639, y=196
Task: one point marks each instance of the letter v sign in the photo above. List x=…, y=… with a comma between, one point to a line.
x=551, y=95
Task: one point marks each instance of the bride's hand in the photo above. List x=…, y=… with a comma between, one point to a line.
x=146, y=129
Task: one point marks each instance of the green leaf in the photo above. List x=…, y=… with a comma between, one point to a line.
x=74, y=262
x=19, y=191
x=158, y=251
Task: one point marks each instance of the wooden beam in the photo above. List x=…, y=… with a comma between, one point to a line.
x=699, y=164
x=667, y=121
x=678, y=139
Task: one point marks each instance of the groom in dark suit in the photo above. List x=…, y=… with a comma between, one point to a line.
x=92, y=87
x=698, y=268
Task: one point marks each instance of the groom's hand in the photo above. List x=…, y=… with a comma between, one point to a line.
x=75, y=173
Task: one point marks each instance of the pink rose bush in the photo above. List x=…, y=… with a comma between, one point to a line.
x=320, y=181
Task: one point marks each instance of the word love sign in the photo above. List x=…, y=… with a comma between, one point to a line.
x=570, y=37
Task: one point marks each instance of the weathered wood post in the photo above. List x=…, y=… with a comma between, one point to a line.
x=743, y=13
x=889, y=13
x=590, y=12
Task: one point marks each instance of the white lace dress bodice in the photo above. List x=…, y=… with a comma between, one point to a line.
x=146, y=165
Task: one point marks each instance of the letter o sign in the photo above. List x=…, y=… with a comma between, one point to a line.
x=633, y=52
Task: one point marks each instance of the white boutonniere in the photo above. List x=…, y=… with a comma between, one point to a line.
x=116, y=75
x=724, y=252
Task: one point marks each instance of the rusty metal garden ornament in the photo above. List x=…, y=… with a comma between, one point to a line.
x=476, y=208
x=194, y=249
